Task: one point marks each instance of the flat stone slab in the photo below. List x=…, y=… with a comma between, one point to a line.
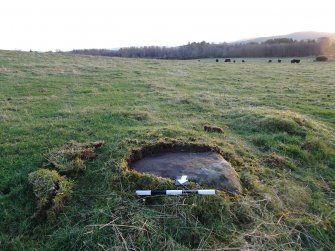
x=204, y=168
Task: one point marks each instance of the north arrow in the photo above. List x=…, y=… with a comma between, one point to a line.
x=181, y=180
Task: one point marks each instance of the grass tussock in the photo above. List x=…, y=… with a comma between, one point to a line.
x=51, y=190
x=272, y=121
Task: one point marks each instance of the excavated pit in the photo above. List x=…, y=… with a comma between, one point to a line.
x=202, y=164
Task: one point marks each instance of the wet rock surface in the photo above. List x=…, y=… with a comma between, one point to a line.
x=205, y=168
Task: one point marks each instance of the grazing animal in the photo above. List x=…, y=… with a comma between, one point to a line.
x=270, y=61
x=234, y=61
x=227, y=60
x=295, y=61
x=208, y=128
x=279, y=60
x=243, y=61
x=217, y=60
x=321, y=59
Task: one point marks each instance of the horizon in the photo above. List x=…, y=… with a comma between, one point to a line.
x=50, y=25
x=148, y=45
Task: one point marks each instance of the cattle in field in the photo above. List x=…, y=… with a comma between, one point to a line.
x=270, y=61
x=279, y=60
x=234, y=61
x=243, y=61
x=227, y=60
x=321, y=59
x=216, y=60
x=295, y=61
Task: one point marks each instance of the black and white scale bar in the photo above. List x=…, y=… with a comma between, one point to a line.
x=175, y=192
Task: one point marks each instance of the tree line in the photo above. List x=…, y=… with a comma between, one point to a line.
x=280, y=47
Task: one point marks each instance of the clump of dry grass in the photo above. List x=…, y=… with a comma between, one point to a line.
x=70, y=158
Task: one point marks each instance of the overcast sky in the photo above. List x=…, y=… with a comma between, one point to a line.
x=67, y=24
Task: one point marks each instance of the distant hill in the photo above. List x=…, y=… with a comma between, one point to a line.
x=304, y=35
x=290, y=45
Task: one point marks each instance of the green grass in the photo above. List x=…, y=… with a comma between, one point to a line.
x=279, y=123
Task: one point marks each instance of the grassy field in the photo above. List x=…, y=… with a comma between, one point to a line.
x=279, y=134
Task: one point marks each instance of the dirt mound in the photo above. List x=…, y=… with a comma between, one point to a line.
x=210, y=128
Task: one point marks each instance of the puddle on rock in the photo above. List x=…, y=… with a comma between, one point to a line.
x=205, y=168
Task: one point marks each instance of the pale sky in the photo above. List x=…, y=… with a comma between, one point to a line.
x=74, y=24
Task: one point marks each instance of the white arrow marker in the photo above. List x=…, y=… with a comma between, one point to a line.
x=181, y=180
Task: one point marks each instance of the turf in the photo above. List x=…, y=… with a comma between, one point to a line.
x=279, y=127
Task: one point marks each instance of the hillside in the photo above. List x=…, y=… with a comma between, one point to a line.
x=278, y=123
x=303, y=35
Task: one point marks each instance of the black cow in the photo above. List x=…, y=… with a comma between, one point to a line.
x=234, y=61
x=270, y=61
x=227, y=60
x=243, y=61
x=295, y=61
x=279, y=60
x=217, y=60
